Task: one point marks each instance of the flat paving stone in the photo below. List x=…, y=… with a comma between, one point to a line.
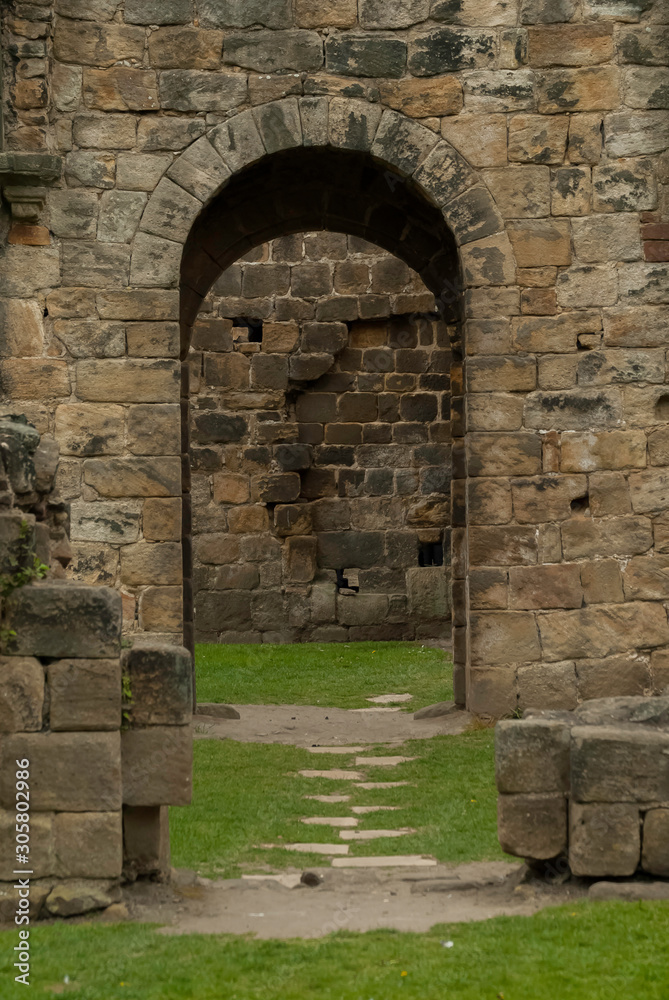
x=330, y=821
x=335, y=775
x=363, y=810
x=389, y=699
x=375, y=709
x=391, y=861
x=328, y=798
x=369, y=785
x=381, y=761
x=316, y=848
x=337, y=750
x=374, y=834
x=288, y=880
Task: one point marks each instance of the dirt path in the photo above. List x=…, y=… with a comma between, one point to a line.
x=307, y=725
x=405, y=899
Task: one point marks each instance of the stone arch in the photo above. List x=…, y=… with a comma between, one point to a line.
x=418, y=199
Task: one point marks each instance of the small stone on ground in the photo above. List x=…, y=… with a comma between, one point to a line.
x=389, y=699
x=373, y=834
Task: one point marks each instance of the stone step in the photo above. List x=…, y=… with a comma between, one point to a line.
x=381, y=761
x=374, y=834
x=391, y=861
x=338, y=750
x=369, y=785
x=334, y=775
x=330, y=821
x=363, y=810
x=328, y=798
x=390, y=699
x=375, y=709
x=316, y=848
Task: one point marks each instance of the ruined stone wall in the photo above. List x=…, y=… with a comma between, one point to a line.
x=89, y=764
x=539, y=130
x=587, y=791
x=321, y=448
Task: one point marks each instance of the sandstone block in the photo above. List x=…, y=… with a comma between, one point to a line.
x=41, y=852
x=185, y=48
x=219, y=549
x=237, y=577
x=602, y=582
x=489, y=261
x=35, y=378
x=134, y=477
x=290, y=519
x=577, y=409
x=140, y=171
x=553, y=334
x=96, y=44
x=87, y=169
x=271, y=51
x=480, y=138
x=56, y=620
x=613, y=676
x=161, y=681
x=161, y=609
x=72, y=897
x=157, y=11
x=423, y=98
x=120, y=88
x=604, y=839
x=587, y=89
x=646, y=578
x=520, y=191
x=492, y=91
x=491, y=692
x=300, y=564
x=230, y=487
x=95, y=265
x=362, y=609
x=133, y=304
x=586, y=286
x=500, y=637
x=546, y=11
x=616, y=536
x=167, y=134
x=506, y=374
x=154, y=429
x=537, y=139
x=494, y=412
x=427, y=589
x=343, y=549
x=170, y=212
x=655, y=851
x=540, y=242
x=626, y=186
x=144, y=562
x=91, y=338
x=280, y=488
x=595, y=632
x=120, y=212
x=326, y=14
x=21, y=694
x=224, y=610
x=503, y=454
x=88, y=844
x=571, y=45
x=649, y=490
x=26, y=269
x=280, y=338
x=607, y=237
x=532, y=825
x=610, y=764
x=21, y=329
x=198, y=90
x=571, y=191
x=58, y=779
x=104, y=522
x=162, y=519
x=84, y=694
x=539, y=587
x=588, y=452
x=531, y=755
x=585, y=138
x=382, y=56
x=488, y=589
x=243, y=520
x=502, y=546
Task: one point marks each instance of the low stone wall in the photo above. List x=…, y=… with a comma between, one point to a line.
x=589, y=786
x=100, y=741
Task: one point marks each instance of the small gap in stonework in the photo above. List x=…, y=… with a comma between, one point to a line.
x=348, y=581
x=254, y=327
x=580, y=505
x=662, y=407
x=431, y=554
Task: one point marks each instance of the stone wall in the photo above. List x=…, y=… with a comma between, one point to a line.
x=321, y=448
x=99, y=772
x=589, y=787
x=514, y=154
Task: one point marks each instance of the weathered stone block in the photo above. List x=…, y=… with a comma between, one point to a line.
x=382, y=56
x=502, y=546
x=185, y=48
x=537, y=139
x=602, y=582
x=91, y=338
x=649, y=490
x=499, y=90
x=157, y=766
x=237, y=577
x=655, y=851
x=104, y=522
x=120, y=88
x=21, y=329
x=84, y=694
x=427, y=590
x=56, y=620
x=280, y=488
x=601, y=630
x=362, y=609
x=607, y=237
x=72, y=897
x=540, y=242
x=58, y=777
x=272, y=51
x=503, y=454
x=245, y=13
x=154, y=429
x=500, y=637
x=134, y=477
x=532, y=755
x=506, y=374
x=423, y=98
x=578, y=409
x=613, y=676
x=167, y=133
x=300, y=562
x=520, y=191
x=604, y=839
x=21, y=694
x=96, y=44
x=198, y=90
x=161, y=682
x=144, y=562
x=95, y=265
x=41, y=852
x=588, y=452
x=447, y=50
x=494, y=412
x=532, y=825
x=34, y=378
x=161, y=609
x=88, y=844
x=617, y=536
x=545, y=587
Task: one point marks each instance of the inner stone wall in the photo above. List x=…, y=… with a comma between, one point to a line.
x=321, y=448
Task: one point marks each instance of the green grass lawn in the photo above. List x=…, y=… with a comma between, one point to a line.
x=246, y=794
x=602, y=951
x=340, y=675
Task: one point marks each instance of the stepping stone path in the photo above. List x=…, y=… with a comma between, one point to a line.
x=339, y=853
